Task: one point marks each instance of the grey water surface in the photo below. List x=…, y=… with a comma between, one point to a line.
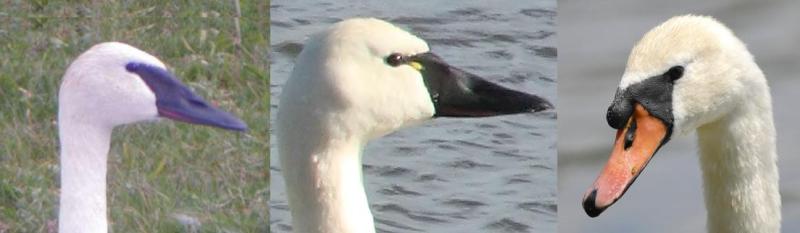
x=493, y=174
x=595, y=38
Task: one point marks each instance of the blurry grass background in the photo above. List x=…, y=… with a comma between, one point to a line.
x=163, y=177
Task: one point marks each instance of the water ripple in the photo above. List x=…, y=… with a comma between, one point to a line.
x=463, y=203
x=396, y=190
x=549, y=208
x=467, y=164
x=538, y=13
x=394, y=208
x=508, y=225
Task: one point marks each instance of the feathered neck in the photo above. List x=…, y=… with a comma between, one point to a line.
x=740, y=173
x=84, y=154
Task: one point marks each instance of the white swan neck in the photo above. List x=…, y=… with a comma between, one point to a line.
x=84, y=152
x=325, y=188
x=740, y=173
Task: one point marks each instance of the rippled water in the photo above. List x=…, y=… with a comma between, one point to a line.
x=668, y=195
x=448, y=175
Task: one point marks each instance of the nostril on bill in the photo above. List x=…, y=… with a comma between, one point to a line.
x=630, y=135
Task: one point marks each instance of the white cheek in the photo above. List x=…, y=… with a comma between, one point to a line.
x=419, y=97
x=680, y=125
x=679, y=113
x=686, y=106
x=148, y=108
x=135, y=102
x=698, y=102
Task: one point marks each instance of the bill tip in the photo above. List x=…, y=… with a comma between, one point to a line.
x=237, y=126
x=540, y=105
x=590, y=206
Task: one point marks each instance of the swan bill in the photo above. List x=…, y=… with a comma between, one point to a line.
x=457, y=93
x=634, y=146
x=176, y=101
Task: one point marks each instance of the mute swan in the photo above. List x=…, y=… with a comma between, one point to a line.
x=113, y=84
x=356, y=81
x=691, y=73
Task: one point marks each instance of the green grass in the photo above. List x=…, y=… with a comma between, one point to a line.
x=156, y=171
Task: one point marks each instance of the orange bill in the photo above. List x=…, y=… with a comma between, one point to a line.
x=634, y=146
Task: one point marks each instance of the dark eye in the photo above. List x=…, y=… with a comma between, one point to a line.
x=674, y=73
x=395, y=59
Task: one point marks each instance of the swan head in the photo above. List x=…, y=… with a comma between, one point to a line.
x=114, y=83
x=683, y=74
x=368, y=77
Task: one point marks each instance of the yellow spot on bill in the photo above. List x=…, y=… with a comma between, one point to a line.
x=416, y=65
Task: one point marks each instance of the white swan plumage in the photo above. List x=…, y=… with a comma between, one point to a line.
x=358, y=80
x=690, y=74
x=112, y=84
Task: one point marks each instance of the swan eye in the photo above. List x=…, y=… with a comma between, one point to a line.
x=395, y=59
x=674, y=73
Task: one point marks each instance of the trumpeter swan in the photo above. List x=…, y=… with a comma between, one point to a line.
x=109, y=85
x=691, y=73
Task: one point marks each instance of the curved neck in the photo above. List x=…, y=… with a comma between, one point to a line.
x=84, y=150
x=325, y=187
x=740, y=173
